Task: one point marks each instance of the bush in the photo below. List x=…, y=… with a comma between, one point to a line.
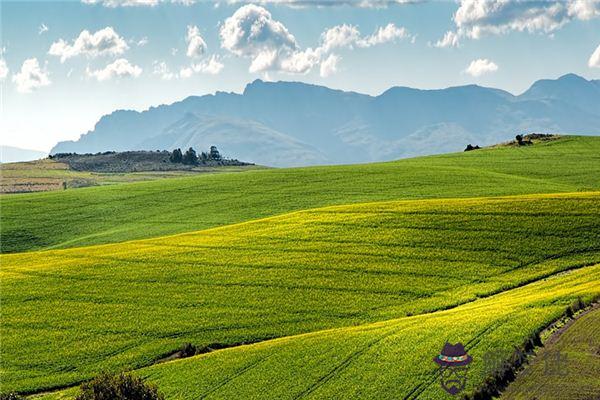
x=188, y=350
x=118, y=387
x=11, y=396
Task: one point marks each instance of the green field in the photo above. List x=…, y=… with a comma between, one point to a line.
x=326, y=282
x=116, y=213
x=49, y=175
x=577, y=372
x=68, y=314
x=385, y=360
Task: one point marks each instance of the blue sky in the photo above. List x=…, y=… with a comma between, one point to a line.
x=65, y=64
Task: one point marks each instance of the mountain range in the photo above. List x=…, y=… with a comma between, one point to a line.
x=295, y=124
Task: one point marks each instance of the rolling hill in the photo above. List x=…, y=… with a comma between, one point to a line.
x=320, y=282
x=142, y=210
x=68, y=314
x=295, y=124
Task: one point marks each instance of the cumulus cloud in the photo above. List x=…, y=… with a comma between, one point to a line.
x=103, y=42
x=329, y=65
x=481, y=67
x=196, y=45
x=31, y=76
x=450, y=39
x=161, y=69
x=594, y=61
x=252, y=32
x=121, y=68
x=137, y=3
x=3, y=69
x=340, y=36
x=211, y=66
x=327, y=3
x=476, y=18
x=389, y=33
x=123, y=3
x=142, y=42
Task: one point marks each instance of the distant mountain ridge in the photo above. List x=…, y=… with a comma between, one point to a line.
x=9, y=154
x=293, y=123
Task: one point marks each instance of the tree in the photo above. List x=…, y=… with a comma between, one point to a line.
x=176, y=156
x=190, y=157
x=214, y=153
x=519, y=139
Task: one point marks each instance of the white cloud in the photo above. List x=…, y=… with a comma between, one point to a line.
x=584, y=9
x=121, y=68
x=123, y=3
x=3, y=69
x=477, y=18
x=42, y=29
x=450, y=39
x=211, y=66
x=480, y=67
x=161, y=68
x=339, y=36
x=142, y=42
x=329, y=65
x=196, y=45
x=186, y=72
x=252, y=32
x=103, y=42
x=326, y=3
x=389, y=33
x=594, y=61
x=31, y=76
x=137, y=3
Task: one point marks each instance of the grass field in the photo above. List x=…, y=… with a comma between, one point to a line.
x=576, y=353
x=68, y=314
x=49, y=175
x=116, y=213
x=384, y=360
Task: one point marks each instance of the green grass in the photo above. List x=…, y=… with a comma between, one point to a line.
x=141, y=210
x=384, y=360
x=49, y=175
x=67, y=314
x=577, y=379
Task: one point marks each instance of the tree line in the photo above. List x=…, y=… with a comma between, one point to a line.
x=190, y=157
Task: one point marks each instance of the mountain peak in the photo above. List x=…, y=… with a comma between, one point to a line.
x=572, y=77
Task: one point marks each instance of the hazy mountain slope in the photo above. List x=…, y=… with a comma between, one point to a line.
x=242, y=139
x=347, y=127
x=10, y=154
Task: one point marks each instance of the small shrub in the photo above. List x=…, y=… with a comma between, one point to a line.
x=11, y=396
x=118, y=387
x=188, y=350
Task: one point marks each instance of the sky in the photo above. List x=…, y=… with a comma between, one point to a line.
x=65, y=64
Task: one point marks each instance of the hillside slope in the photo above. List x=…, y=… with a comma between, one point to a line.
x=141, y=210
x=68, y=314
x=575, y=375
x=347, y=127
x=389, y=360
